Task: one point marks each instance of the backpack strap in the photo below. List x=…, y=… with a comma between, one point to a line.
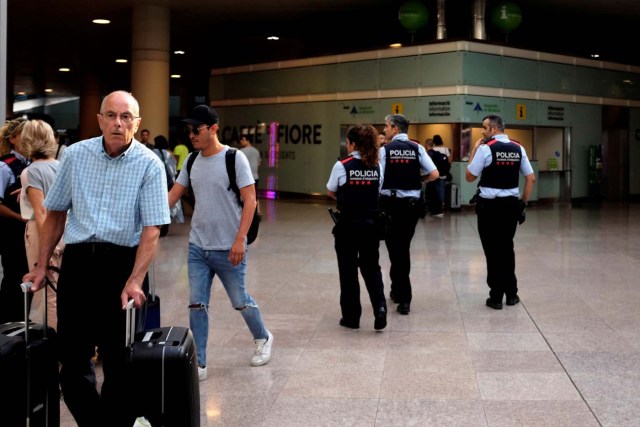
x=192, y=158
x=230, y=162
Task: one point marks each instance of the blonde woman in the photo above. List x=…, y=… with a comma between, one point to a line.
x=39, y=144
x=12, y=253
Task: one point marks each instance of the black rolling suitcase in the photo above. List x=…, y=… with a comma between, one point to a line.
x=163, y=362
x=29, y=391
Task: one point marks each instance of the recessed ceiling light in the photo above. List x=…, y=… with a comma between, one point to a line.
x=121, y=61
x=178, y=52
x=175, y=76
x=395, y=45
x=48, y=90
x=273, y=38
x=64, y=69
x=101, y=21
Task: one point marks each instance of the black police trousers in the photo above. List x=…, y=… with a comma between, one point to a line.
x=497, y=222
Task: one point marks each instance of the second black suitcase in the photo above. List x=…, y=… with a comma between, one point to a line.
x=29, y=390
x=163, y=361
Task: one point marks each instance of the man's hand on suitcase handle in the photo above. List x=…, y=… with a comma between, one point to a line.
x=132, y=290
x=36, y=278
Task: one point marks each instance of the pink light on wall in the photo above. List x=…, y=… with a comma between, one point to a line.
x=273, y=157
x=273, y=145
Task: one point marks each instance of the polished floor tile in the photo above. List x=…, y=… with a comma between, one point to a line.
x=568, y=354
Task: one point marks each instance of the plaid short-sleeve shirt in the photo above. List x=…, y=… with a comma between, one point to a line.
x=109, y=199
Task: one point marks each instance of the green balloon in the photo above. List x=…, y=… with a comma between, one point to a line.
x=506, y=16
x=413, y=15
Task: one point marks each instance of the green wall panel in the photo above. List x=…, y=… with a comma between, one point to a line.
x=520, y=73
x=482, y=70
x=398, y=73
x=557, y=78
x=355, y=76
x=440, y=69
x=321, y=79
x=589, y=82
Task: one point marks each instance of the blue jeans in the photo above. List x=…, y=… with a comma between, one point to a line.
x=203, y=265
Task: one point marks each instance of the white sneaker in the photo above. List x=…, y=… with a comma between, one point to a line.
x=142, y=422
x=262, y=354
x=202, y=373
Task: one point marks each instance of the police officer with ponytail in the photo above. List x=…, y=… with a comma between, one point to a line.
x=354, y=183
x=12, y=250
x=403, y=164
x=499, y=161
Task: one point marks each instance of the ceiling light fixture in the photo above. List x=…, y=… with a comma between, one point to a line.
x=101, y=21
x=178, y=52
x=48, y=90
x=64, y=69
x=273, y=38
x=175, y=76
x=122, y=61
x=595, y=55
x=395, y=45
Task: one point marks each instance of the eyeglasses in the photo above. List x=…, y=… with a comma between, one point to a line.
x=196, y=131
x=126, y=118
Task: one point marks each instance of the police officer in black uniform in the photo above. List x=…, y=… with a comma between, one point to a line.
x=499, y=162
x=355, y=183
x=403, y=164
x=12, y=225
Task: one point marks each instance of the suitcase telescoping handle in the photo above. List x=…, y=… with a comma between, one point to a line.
x=131, y=323
x=26, y=287
x=152, y=280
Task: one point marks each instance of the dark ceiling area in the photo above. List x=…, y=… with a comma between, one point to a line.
x=44, y=35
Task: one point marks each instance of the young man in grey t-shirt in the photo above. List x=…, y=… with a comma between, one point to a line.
x=218, y=236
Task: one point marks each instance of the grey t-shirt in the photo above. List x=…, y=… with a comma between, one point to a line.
x=216, y=218
x=253, y=155
x=40, y=175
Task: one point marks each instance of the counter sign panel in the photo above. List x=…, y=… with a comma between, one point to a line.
x=439, y=108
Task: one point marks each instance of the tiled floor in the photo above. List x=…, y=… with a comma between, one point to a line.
x=569, y=354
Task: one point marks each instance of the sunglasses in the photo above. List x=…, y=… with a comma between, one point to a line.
x=196, y=131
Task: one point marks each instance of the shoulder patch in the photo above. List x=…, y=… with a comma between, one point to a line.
x=347, y=159
x=491, y=142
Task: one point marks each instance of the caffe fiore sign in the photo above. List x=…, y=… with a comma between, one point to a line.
x=280, y=133
x=276, y=141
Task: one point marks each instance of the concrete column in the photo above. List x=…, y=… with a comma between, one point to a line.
x=90, y=101
x=150, y=66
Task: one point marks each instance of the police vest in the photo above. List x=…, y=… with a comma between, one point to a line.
x=504, y=171
x=17, y=166
x=358, y=196
x=402, y=167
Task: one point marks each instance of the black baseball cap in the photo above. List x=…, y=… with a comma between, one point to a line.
x=202, y=114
